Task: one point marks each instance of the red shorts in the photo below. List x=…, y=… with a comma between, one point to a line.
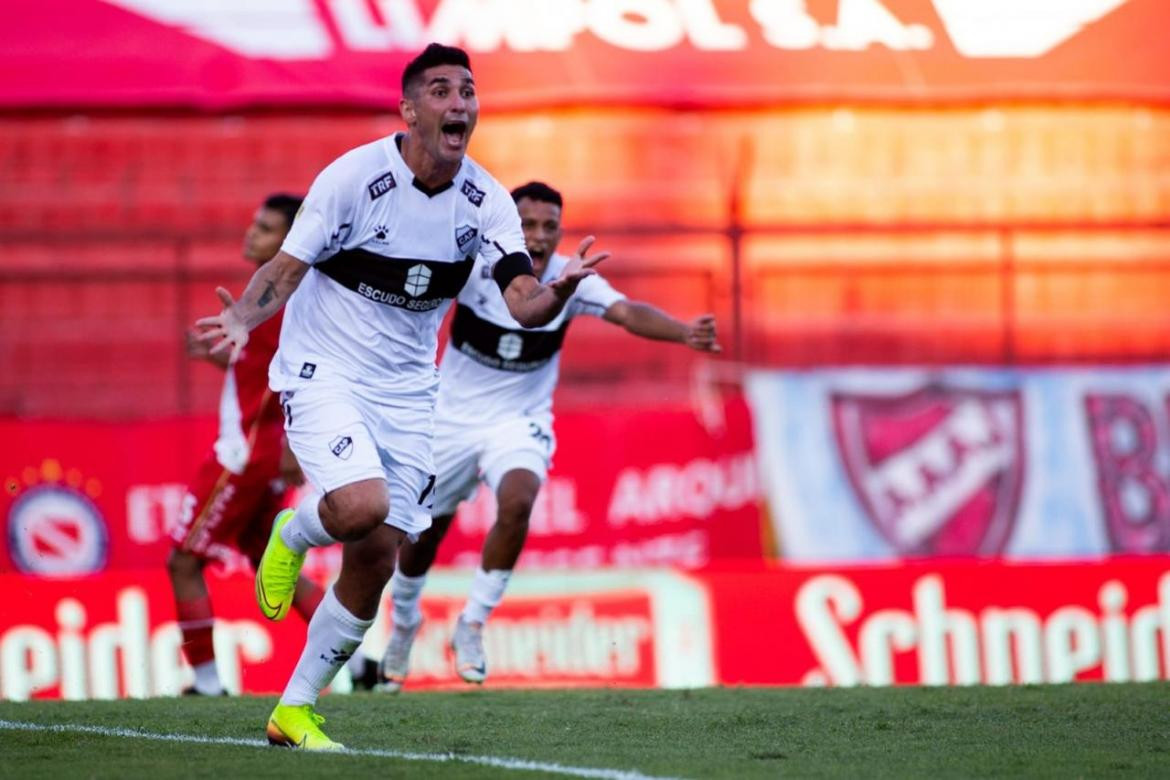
x=224, y=511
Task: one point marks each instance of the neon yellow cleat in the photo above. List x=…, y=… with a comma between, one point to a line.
x=297, y=726
x=276, y=576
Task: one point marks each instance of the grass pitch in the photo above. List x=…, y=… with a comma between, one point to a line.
x=1080, y=730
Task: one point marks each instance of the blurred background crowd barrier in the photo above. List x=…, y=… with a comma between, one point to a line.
x=936, y=235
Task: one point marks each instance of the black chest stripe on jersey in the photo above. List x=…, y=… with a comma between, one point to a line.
x=415, y=285
x=504, y=348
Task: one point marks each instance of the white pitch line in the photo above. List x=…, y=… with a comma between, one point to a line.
x=492, y=761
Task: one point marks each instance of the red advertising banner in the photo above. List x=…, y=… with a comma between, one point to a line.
x=631, y=488
x=113, y=635
x=649, y=488
x=215, y=56
x=945, y=624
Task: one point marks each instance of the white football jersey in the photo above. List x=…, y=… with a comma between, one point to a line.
x=493, y=368
x=387, y=258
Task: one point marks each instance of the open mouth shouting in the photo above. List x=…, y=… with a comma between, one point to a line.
x=454, y=135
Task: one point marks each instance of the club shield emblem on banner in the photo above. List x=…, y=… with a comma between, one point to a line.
x=939, y=470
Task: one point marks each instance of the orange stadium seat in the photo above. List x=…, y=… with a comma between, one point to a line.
x=832, y=299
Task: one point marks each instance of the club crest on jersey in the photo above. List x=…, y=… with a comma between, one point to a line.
x=464, y=236
x=418, y=278
x=939, y=470
x=381, y=185
x=473, y=193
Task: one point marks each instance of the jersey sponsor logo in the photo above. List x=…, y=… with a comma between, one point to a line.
x=473, y=193
x=418, y=278
x=54, y=530
x=939, y=471
x=406, y=283
x=381, y=185
x=503, y=348
x=342, y=447
x=381, y=232
x=307, y=370
x=401, y=301
x=510, y=346
x=464, y=236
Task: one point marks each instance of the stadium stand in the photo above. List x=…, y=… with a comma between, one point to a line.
x=818, y=235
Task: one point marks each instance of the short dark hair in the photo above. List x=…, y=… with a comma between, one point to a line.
x=539, y=191
x=286, y=204
x=433, y=55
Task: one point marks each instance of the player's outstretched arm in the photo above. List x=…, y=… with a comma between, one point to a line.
x=201, y=350
x=268, y=290
x=533, y=304
x=650, y=322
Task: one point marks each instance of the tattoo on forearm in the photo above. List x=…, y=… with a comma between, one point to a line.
x=268, y=296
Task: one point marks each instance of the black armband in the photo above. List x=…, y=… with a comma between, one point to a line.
x=511, y=266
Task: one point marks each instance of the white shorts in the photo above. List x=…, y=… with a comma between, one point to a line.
x=466, y=454
x=340, y=438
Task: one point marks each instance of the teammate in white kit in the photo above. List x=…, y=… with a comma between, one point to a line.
x=388, y=235
x=493, y=423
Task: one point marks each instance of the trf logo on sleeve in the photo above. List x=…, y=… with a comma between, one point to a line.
x=939, y=470
x=473, y=193
x=381, y=185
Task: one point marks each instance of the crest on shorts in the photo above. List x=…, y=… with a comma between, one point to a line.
x=342, y=447
x=939, y=470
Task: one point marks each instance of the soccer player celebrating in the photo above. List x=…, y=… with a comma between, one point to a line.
x=494, y=422
x=387, y=237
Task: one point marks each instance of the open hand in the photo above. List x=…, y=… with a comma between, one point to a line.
x=225, y=329
x=577, y=269
x=701, y=334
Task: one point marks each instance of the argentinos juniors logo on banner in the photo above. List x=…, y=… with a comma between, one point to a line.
x=938, y=470
x=54, y=528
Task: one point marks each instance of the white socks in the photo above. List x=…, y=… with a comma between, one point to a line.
x=334, y=636
x=406, y=592
x=207, y=679
x=486, y=591
x=356, y=664
x=305, y=529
